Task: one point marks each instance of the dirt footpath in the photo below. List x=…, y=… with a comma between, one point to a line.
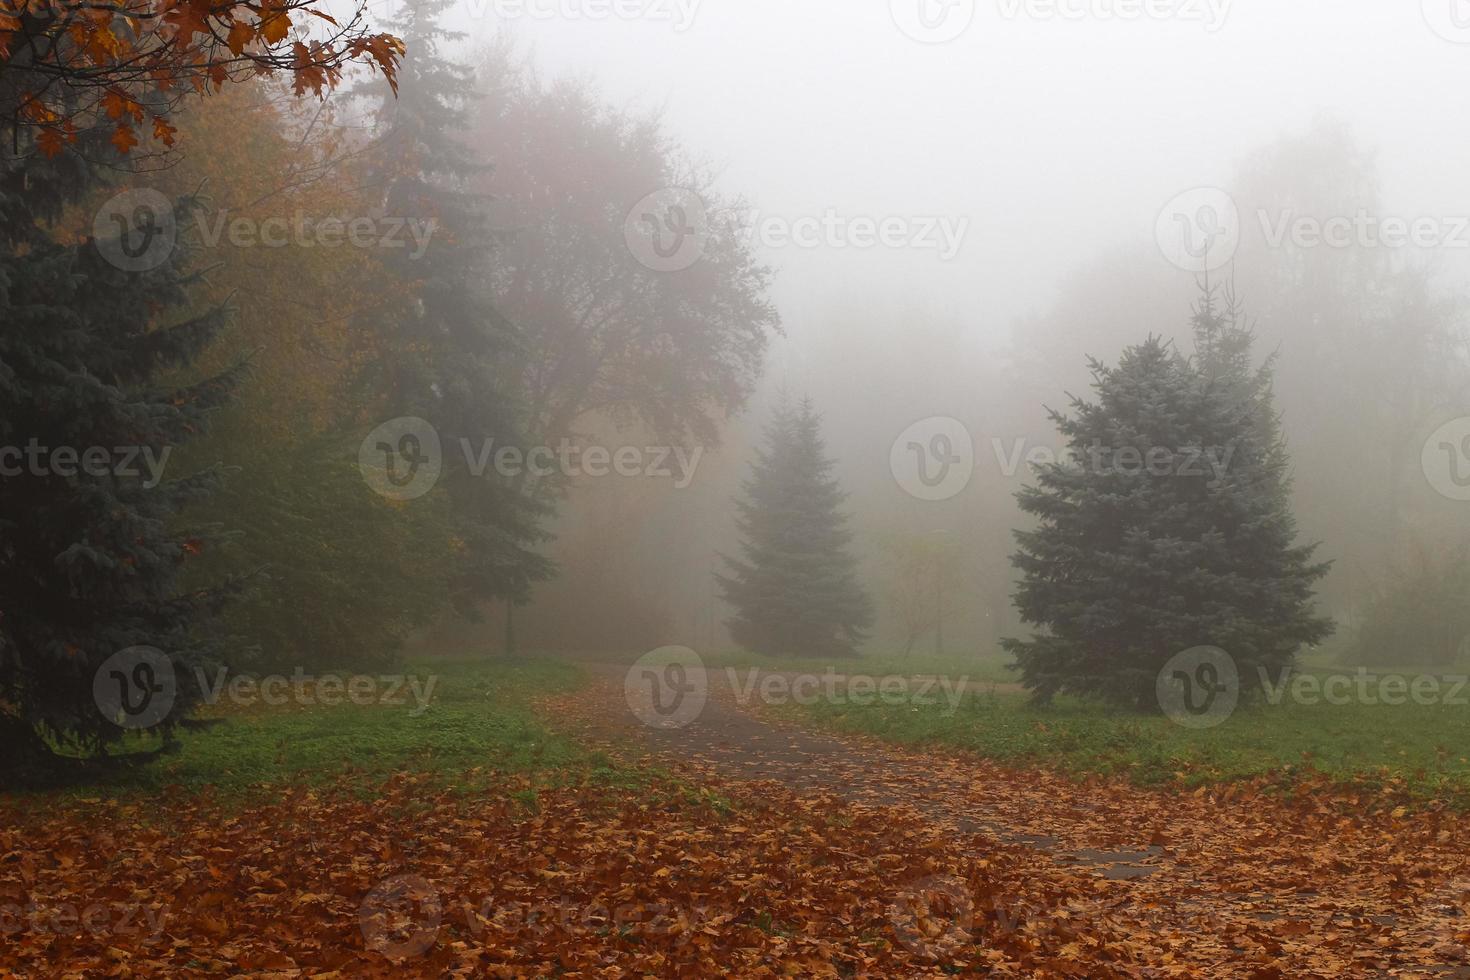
x=1248, y=883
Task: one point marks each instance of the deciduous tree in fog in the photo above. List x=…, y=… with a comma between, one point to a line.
x=606, y=335
x=609, y=339
x=926, y=573
x=795, y=588
x=338, y=574
x=1166, y=527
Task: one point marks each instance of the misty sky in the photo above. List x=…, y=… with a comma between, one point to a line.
x=1056, y=138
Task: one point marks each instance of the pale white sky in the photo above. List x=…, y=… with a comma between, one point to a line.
x=1055, y=137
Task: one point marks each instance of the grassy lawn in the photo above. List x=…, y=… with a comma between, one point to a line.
x=479, y=723
x=479, y=726
x=981, y=668
x=1423, y=749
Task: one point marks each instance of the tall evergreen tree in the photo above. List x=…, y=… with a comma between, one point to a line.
x=1224, y=344
x=1167, y=526
x=795, y=589
x=452, y=358
x=91, y=365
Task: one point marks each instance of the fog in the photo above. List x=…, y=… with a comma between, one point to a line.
x=1040, y=146
x=1055, y=138
x=728, y=487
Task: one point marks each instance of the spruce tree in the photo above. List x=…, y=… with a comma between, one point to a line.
x=91, y=544
x=452, y=358
x=1166, y=526
x=795, y=588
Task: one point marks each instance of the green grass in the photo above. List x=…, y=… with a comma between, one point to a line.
x=987, y=668
x=981, y=669
x=1421, y=749
x=481, y=726
x=479, y=723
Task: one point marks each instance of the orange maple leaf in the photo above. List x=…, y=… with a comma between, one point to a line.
x=162, y=131
x=117, y=104
x=124, y=138
x=240, y=35
x=51, y=143
x=188, y=18
x=275, y=28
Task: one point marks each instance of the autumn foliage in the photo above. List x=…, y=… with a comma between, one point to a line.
x=66, y=66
